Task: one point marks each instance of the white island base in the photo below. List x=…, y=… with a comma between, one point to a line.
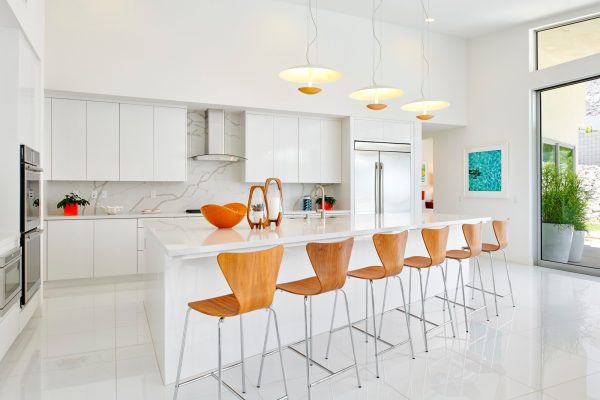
x=182, y=267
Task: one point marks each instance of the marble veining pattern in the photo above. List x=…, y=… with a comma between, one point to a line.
x=208, y=181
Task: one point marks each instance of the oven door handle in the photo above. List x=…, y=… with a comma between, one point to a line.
x=34, y=233
x=32, y=168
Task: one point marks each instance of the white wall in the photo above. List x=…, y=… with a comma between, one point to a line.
x=229, y=52
x=30, y=16
x=500, y=109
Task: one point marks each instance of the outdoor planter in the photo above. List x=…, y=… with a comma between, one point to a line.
x=556, y=242
x=577, y=246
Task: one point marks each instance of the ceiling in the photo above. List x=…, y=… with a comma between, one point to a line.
x=463, y=18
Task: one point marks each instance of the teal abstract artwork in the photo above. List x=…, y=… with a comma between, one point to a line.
x=485, y=171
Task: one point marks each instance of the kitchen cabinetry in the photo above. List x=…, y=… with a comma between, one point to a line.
x=70, y=249
x=285, y=148
x=295, y=149
x=169, y=144
x=47, y=153
x=115, y=247
x=102, y=141
x=309, y=151
x=382, y=131
x=137, y=142
x=111, y=141
x=68, y=140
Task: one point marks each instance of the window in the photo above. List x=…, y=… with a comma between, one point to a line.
x=568, y=42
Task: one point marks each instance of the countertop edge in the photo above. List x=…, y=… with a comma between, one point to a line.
x=212, y=250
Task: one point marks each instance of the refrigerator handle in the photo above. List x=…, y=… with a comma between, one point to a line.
x=381, y=188
x=376, y=191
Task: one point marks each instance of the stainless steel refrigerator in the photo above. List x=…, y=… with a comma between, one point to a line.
x=382, y=177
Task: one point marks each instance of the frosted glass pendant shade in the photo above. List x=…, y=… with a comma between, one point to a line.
x=375, y=94
x=424, y=106
x=310, y=74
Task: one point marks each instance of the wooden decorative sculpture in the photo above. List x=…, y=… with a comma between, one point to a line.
x=263, y=222
x=279, y=207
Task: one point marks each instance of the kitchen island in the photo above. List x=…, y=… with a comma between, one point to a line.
x=181, y=266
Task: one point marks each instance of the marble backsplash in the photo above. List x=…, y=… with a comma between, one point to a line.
x=207, y=182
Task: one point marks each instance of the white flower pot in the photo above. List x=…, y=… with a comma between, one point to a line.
x=577, y=246
x=556, y=242
x=255, y=216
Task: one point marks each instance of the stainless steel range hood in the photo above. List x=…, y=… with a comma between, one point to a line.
x=215, y=139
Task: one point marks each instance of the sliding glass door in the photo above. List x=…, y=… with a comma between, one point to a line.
x=569, y=175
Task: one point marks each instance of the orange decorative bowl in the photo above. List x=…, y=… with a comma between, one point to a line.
x=226, y=216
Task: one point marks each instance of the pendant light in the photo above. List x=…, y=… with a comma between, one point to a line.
x=375, y=93
x=310, y=74
x=425, y=105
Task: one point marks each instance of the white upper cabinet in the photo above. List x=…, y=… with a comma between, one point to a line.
x=309, y=154
x=102, y=141
x=136, y=142
x=169, y=144
x=68, y=140
x=368, y=130
x=331, y=151
x=397, y=132
x=285, y=148
x=47, y=153
x=259, y=147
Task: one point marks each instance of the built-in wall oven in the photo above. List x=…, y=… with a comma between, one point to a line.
x=10, y=279
x=31, y=243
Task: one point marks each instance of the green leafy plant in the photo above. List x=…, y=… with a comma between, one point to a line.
x=72, y=198
x=257, y=207
x=564, y=199
x=328, y=199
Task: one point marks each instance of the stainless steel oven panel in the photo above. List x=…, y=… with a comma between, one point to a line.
x=31, y=197
x=10, y=278
x=32, y=271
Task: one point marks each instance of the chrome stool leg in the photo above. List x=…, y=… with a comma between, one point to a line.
x=271, y=310
x=487, y=316
x=508, y=276
x=447, y=301
x=177, y=380
x=383, y=308
x=412, y=350
x=264, y=352
x=308, y=383
x=311, y=331
x=366, y=311
x=462, y=285
x=493, y=282
x=374, y=329
x=351, y=336
x=242, y=355
x=331, y=326
x=423, y=311
x=219, y=324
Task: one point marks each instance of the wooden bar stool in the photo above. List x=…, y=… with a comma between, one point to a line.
x=390, y=249
x=501, y=234
x=435, y=241
x=252, y=278
x=472, y=234
x=330, y=263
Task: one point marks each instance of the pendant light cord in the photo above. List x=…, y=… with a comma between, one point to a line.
x=376, y=65
x=425, y=67
x=309, y=42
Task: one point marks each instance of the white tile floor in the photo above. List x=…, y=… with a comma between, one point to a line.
x=93, y=343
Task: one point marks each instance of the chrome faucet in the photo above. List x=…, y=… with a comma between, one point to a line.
x=322, y=200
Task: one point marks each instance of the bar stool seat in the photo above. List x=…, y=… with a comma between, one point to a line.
x=373, y=273
x=222, y=306
x=303, y=287
x=487, y=247
x=458, y=254
x=417, y=262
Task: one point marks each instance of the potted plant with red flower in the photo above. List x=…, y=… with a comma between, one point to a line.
x=70, y=204
x=329, y=203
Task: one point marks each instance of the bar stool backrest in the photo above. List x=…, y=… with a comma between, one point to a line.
x=472, y=233
x=252, y=276
x=435, y=241
x=501, y=232
x=390, y=249
x=330, y=262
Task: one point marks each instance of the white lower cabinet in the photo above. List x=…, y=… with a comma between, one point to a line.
x=70, y=249
x=115, y=247
x=91, y=248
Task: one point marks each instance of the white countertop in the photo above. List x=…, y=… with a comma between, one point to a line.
x=197, y=238
x=167, y=215
x=8, y=241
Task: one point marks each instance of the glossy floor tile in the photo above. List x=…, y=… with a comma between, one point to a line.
x=93, y=342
